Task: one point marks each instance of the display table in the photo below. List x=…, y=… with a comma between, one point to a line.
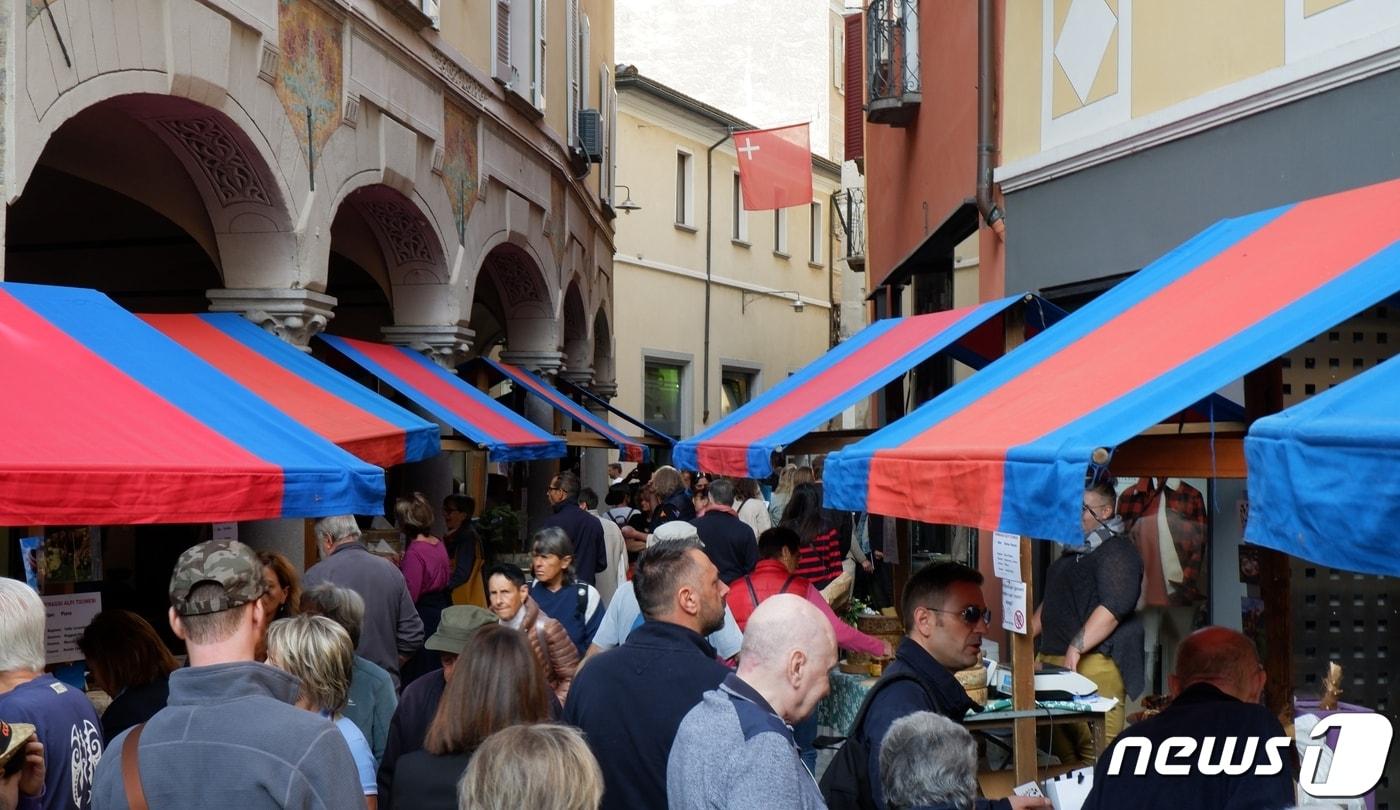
x=837, y=712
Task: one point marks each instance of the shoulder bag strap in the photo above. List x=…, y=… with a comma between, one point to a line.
x=131, y=769
x=753, y=595
x=786, y=583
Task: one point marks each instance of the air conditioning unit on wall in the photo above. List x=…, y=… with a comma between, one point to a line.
x=590, y=135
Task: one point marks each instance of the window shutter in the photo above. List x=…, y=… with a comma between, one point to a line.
x=571, y=58
x=585, y=40
x=503, y=40
x=855, y=89
x=611, y=161
x=537, y=74
x=605, y=118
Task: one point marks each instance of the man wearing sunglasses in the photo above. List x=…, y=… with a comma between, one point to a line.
x=1087, y=621
x=945, y=616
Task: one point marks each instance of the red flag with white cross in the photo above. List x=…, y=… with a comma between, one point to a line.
x=775, y=167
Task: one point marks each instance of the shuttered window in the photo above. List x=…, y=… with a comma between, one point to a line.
x=502, y=42
x=855, y=89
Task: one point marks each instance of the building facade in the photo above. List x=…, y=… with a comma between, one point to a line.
x=768, y=294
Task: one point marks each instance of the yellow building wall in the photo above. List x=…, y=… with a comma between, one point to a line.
x=1172, y=52
x=663, y=310
x=466, y=25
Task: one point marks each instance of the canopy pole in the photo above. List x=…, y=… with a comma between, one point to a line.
x=1263, y=395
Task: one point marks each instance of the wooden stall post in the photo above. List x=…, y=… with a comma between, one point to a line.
x=1023, y=682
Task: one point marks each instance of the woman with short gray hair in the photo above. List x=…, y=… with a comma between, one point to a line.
x=928, y=761
x=372, y=694
x=576, y=605
x=318, y=652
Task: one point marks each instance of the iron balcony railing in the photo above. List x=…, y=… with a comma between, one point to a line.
x=892, y=61
x=850, y=210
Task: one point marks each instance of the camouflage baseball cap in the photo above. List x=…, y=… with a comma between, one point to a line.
x=228, y=563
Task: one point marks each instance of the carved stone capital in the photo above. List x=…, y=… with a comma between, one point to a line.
x=546, y=364
x=605, y=390
x=446, y=345
x=582, y=377
x=296, y=316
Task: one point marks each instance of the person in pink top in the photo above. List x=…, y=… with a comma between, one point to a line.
x=427, y=571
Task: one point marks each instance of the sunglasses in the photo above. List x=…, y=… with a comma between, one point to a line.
x=970, y=615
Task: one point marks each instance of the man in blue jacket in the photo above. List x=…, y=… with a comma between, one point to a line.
x=630, y=700
x=583, y=528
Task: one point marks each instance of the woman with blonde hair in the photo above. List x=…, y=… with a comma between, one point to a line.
x=318, y=652
x=781, y=493
x=543, y=766
x=497, y=684
x=428, y=572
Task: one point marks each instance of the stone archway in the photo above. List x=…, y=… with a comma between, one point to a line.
x=578, y=348
x=512, y=281
x=604, y=365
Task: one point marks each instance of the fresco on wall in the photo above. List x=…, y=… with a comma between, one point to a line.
x=559, y=238
x=310, y=70
x=34, y=9
x=459, y=163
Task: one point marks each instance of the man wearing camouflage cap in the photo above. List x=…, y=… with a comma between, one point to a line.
x=229, y=735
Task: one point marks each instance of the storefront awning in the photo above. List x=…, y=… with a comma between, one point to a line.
x=1008, y=448
x=742, y=444
x=1322, y=483
x=506, y=435
x=332, y=405
x=108, y=421
x=631, y=449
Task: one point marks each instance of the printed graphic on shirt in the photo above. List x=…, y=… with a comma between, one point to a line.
x=86, y=743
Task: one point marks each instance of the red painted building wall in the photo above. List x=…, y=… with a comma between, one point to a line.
x=917, y=175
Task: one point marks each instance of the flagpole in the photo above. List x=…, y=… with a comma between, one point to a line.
x=709, y=239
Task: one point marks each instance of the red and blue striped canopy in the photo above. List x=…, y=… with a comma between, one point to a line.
x=108, y=421
x=506, y=435
x=631, y=449
x=332, y=405
x=1008, y=448
x=1322, y=483
x=742, y=444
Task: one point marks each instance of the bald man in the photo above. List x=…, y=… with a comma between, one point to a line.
x=1216, y=688
x=735, y=748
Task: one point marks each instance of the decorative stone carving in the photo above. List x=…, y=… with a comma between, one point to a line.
x=267, y=63
x=220, y=157
x=515, y=277
x=351, y=116
x=604, y=389
x=459, y=78
x=401, y=229
x=445, y=345
x=295, y=316
x=544, y=363
x=582, y=377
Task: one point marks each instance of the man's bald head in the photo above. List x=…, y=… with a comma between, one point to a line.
x=788, y=648
x=1223, y=658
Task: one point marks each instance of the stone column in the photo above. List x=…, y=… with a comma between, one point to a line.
x=546, y=364
x=295, y=315
x=447, y=346
x=593, y=461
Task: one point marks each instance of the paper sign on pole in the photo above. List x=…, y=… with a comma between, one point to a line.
x=1006, y=556
x=1014, y=616
x=66, y=617
x=225, y=531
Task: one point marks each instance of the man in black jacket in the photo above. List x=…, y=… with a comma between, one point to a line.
x=630, y=700
x=1217, y=684
x=583, y=528
x=729, y=542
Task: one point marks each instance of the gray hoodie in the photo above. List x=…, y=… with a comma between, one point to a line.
x=229, y=737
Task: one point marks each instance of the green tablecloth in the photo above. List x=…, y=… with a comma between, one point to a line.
x=838, y=709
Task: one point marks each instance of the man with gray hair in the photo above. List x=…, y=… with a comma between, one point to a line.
x=736, y=747
x=729, y=542
x=391, y=632
x=928, y=762
x=64, y=720
x=1216, y=689
x=372, y=696
x=230, y=735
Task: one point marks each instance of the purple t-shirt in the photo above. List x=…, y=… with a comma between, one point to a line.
x=72, y=736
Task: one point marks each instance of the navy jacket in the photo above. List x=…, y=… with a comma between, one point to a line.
x=729, y=543
x=586, y=533
x=409, y=727
x=1201, y=710
x=630, y=701
x=904, y=698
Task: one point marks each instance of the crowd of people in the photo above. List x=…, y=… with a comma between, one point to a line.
x=669, y=650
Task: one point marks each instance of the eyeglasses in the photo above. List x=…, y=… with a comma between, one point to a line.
x=556, y=489
x=970, y=615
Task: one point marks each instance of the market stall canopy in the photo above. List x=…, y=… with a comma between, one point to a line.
x=632, y=450
x=664, y=439
x=742, y=444
x=506, y=435
x=332, y=405
x=109, y=421
x=1322, y=483
x=1008, y=448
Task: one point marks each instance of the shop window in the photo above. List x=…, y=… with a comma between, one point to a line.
x=663, y=396
x=736, y=388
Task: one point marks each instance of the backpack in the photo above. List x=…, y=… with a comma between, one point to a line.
x=846, y=783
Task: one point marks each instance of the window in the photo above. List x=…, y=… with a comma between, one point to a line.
x=662, y=389
x=684, y=195
x=838, y=57
x=537, y=31
x=736, y=388
x=780, y=229
x=518, y=48
x=741, y=217
x=500, y=45
x=815, y=233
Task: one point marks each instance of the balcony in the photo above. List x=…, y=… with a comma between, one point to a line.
x=850, y=210
x=892, y=62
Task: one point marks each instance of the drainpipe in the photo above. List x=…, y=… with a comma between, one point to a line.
x=709, y=239
x=986, y=144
